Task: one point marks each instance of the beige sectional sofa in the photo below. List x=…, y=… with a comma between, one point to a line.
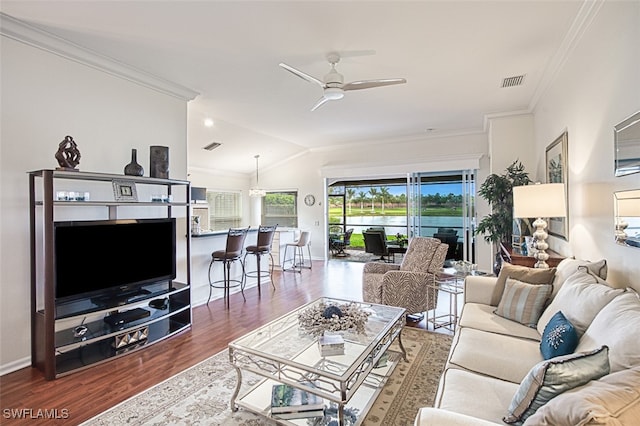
x=496, y=371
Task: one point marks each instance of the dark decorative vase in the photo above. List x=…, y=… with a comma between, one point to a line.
x=159, y=161
x=133, y=168
x=497, y=264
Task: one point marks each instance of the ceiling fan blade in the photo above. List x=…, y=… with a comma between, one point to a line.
x=367, y=84
x=301, y=74
x=321, y=102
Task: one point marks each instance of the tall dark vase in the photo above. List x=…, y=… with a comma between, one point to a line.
x=133, y=168
x=497, y=264
x=159, y=161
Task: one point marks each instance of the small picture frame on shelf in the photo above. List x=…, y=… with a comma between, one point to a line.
x=124, y=190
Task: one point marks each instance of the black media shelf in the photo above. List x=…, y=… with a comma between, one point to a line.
x=98, y=351
x=55, y=349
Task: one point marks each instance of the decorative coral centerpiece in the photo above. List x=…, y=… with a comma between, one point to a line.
x=333, y=317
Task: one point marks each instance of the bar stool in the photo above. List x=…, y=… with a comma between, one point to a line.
x=262, y=246
x=298, y=253
x=232, y=252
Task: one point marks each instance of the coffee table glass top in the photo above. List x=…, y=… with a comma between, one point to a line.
x=284, y=339
x=284, y=352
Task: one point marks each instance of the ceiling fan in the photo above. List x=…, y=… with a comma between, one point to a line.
x=333, y=83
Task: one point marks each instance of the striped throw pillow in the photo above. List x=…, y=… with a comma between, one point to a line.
x=523, y=302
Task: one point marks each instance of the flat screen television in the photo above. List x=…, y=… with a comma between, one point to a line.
x=112, y=258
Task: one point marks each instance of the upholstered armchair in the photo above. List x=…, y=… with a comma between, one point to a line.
x=407, y=284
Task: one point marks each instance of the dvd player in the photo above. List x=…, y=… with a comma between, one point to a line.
x=126, y=316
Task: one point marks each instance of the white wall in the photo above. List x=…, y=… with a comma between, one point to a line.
x=598, y=86
x=45, y=98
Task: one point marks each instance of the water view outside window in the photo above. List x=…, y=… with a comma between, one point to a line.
x=362, y=206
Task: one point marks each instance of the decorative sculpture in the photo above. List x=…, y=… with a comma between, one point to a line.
x=68, y=155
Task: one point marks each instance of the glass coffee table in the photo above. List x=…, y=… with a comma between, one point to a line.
x=283, y=352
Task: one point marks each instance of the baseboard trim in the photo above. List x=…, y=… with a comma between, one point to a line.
x=15, y=365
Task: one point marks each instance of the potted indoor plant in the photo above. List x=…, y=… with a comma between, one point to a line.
x=497, y=190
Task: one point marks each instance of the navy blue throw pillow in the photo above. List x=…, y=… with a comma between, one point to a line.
x=559, y=337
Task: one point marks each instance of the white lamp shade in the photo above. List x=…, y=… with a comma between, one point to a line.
x=539, y=200
x=628, y=207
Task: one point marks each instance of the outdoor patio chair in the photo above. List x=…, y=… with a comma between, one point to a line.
x=340, y=243
x=452, y=241
x=411, y=284
x=375, y=242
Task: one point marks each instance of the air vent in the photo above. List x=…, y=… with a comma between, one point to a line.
x=513, y=81
x=212, y=146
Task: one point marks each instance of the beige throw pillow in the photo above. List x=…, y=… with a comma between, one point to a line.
x=520, y=273
x=616, y=326
x=580, y=299
x=569, y=266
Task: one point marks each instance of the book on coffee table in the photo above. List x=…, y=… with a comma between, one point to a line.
x=288, y=400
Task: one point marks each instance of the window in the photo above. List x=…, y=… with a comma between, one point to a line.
x=280, y=208
x=225, y=210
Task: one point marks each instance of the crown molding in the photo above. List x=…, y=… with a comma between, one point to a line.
x=28, y=34
x=579, y=26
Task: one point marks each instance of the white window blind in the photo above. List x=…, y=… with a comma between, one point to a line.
x=225, y=210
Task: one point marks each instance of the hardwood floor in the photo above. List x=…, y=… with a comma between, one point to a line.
x=82, y=395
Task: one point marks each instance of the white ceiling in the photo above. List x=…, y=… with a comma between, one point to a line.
x=454, y=55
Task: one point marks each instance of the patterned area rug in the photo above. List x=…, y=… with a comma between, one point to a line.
x=200, y=395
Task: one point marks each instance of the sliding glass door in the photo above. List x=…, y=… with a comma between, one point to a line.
x=442, y=205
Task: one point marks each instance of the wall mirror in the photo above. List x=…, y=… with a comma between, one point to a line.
x=626, y=136
x=627, y=211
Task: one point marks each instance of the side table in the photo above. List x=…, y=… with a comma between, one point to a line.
x=395, y=249
x=451, y=283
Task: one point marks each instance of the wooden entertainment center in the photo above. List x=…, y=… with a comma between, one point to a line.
x=67, y=336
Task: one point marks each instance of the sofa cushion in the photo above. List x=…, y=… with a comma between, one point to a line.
x=523, y=302
x=481, y=317
x=612, y=400
x=460, y=390
x=520, y=273
x=569, y=266
x=429, y=416
x=616, y=326
x=559, y=337
x=496, y=355
x=580, y=298
x=550, y=378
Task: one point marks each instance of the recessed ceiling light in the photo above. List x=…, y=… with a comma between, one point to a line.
x=208, y=122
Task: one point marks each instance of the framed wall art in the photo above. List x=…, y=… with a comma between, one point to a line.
x=556, y=172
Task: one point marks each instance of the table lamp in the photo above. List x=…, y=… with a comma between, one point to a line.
x=539, y=201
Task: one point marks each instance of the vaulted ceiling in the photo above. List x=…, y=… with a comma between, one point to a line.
x=454, y=55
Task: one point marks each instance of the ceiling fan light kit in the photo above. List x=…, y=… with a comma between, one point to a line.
x=333, y=85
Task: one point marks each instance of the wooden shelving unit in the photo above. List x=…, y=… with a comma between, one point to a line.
x=54, y=348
